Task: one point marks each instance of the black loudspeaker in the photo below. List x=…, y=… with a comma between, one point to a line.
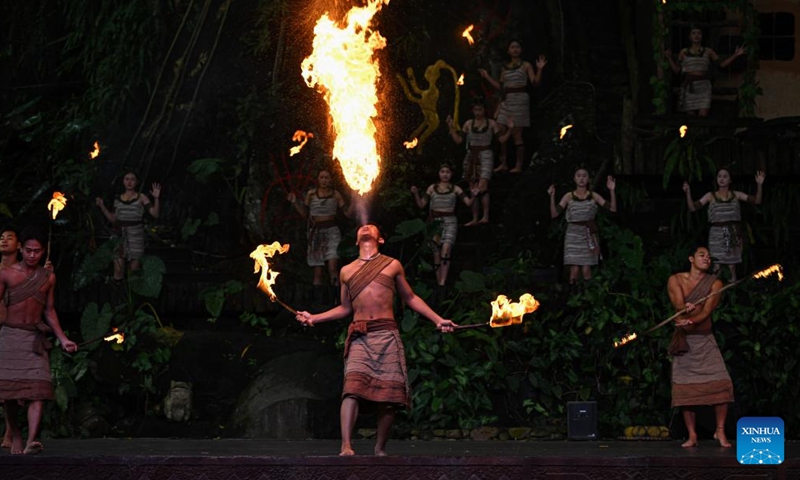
x=582, y=420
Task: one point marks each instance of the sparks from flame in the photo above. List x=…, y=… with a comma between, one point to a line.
x=342, y=66
x=563, y=131
x=260, y=255
x=683, y=130
x=468, y=34
x=505, y=313
x=411, y=144
x=118, y=336
x=627, y=338
x=302, y=137
x=57, y=204
x=460, y=80
x=94, y=153
x=769, y=271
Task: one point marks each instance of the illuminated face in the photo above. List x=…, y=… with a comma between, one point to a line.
x=324, y=179
x=32, y=252
x=723, y=178
x=514, y=49
x=445, y=174
x=129, y=181
x=581, y=178
x=701, y=259
x=9, y=243
x=478, y=111
x=369, y=232
x=696, y=35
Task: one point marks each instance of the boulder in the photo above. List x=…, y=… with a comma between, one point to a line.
x=295, y=396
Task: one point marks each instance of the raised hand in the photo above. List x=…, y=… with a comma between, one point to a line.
x=760, y=176
x=611, y=183
x=99, y=202
x=483, y=72
x=686, y=187
x=740, y=50
x=541, y=62
x=449, y=121
x=291, y=198
x=414, y=190
x=668, y=54
x=155, y=190
x=551, y=190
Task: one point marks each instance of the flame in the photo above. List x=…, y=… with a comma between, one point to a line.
x=411, y=144
x=460, y=80
x=769, y=271
x=118, y=336
x=342, y=67
x=505, y=313
x=94, y=153
x=683, y=130
x=468, y=35
x=57, y=204
x=563, y=131
x=627, y=338
x=302, y=137
x=268, y=276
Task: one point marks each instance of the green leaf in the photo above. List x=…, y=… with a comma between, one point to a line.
x=95, y=323
x=190, y=228
x=204, y=168
x=147, y=281
x=407, y=229
x=471, y=282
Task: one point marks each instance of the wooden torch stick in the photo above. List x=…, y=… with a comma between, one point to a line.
x=282, y=304
x=469, y=327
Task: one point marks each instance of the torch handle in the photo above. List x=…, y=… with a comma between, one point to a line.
x=700, y=300
x=89, y=342
x=287, y=307
x=469, y=327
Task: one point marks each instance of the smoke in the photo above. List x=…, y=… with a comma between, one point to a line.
x=361, y=209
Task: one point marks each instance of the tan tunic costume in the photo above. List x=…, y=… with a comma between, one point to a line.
x=375, y=362
x=24, y=362
x=699, y=376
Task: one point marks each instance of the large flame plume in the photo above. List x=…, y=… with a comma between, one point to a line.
x=505, y=312
x=342, y=66
x=260, y=255
x=302, y=137
x=57, y=204
x=563, y=131
x=468, y=34
x=769, y=271
x=94, y=153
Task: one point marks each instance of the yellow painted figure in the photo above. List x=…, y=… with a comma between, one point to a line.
x=428, y=99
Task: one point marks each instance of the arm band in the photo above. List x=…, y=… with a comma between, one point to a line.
x=461, y=196
x=559, y=209
x=697, y=205
x=607, y=206
x=425, y=197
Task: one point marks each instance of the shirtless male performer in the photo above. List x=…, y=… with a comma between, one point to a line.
x=27, y=289
x=9, y=249
x=375, y=365
x=699, y=376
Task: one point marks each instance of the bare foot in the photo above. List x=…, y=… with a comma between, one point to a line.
x=471, y=224
x=723, y=440
x=380, y=453
x=6, y=442
x=516, y=170
x=33, y=448
x=346, y=452
x=16, y=446
x=692, y=442
x=501, y=168
x=483, y=221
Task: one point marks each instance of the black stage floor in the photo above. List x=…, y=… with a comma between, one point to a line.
x=258, y=459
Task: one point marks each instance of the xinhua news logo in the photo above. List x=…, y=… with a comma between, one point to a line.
x=759, y=440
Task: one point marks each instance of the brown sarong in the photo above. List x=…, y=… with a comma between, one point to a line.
x=375, y=364
x=699, y=377
x=24, y=364
x=367, y=273
x=678, y=344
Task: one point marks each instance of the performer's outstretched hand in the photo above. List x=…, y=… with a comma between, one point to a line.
x=446, y=326
x=305, y=319
x=69, y=346
x=760, y=176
